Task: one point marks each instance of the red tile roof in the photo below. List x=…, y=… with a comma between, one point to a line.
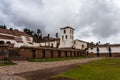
x=7, y=37
x=13, y=32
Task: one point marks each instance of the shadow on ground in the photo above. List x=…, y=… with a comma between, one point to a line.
x=46, y=73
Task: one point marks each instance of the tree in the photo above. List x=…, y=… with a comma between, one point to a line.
x=25, y=30
x=38, y=32
x=11, y=29
x=37, y=35
x=3, y=26
x=48, y=36
x=56, y=35
x=28, y=31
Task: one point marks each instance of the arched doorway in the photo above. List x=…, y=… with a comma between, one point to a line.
x=43, y=54
x=97, y=52
x=110, y=53
x=66, y=54
x=33, y=54
x=8, y=42
x=2, y=42
x=51, y=54
x=59, y=53
x=70, y=54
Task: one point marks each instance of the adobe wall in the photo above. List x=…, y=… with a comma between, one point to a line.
x=3, y=51
x=39, y=53
x=103, y=55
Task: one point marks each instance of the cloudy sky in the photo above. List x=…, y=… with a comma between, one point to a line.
x=93, y=20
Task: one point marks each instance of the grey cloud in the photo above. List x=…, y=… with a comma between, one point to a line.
x=100, y=16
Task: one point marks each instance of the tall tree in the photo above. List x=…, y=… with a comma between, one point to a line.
x=48, y=35
x=56, y=35
x=37, y=35
x=38, y=32
x=3, y=26
x=11, y=29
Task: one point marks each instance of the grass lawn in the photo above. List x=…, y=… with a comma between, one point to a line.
x=105, y=69
x=55, y=59
x=6, y=63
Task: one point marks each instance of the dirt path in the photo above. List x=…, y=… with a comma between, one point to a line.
x=45, y=74
x=32, y=70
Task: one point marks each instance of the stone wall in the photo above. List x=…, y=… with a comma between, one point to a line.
x=3, y=51
x=39, y=53
x=103, y=55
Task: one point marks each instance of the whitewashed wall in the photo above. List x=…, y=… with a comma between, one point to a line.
x=36, y=44
x=54, y=43
x=105, y=49
x=116, y=49
x=69, y=42
x=78, y=44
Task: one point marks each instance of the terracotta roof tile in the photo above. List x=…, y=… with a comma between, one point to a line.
x=7, y=37
x=13, y=32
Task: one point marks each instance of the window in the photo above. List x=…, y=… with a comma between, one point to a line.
x=59, y=53
x=51, y=54
x=64, y=31
x=66, y=36
x=82, y=45
x=52, y=45
x=71, y=31
x=97, y=49
x=62, y=37
x=109, y=48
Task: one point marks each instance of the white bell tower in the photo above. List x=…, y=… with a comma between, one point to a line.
x=67, y=37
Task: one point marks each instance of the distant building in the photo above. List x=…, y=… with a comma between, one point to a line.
x=106, y=50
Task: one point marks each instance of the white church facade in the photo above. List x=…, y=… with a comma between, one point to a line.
x=67, y=39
